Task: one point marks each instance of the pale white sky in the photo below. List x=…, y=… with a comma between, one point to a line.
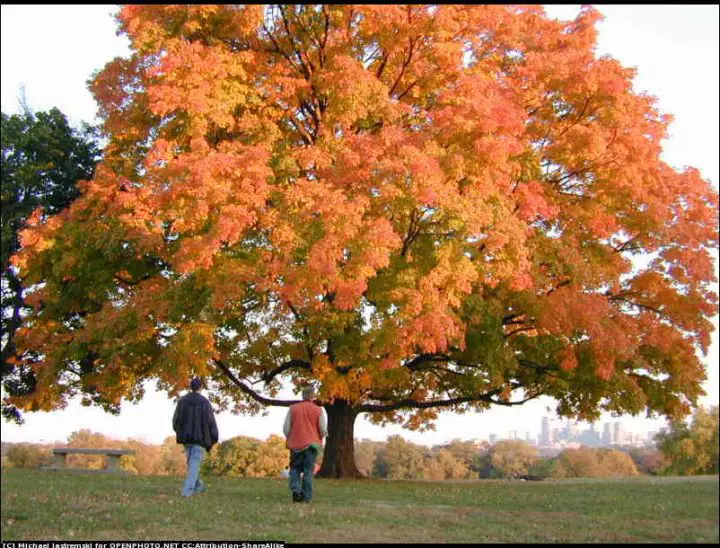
x=52, y=50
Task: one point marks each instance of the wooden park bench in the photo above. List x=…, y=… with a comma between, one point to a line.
x=113, y=457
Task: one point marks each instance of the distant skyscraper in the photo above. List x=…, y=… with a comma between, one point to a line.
x=545, y=432
x=493, y=438
x=618, y=433
x=607, y=434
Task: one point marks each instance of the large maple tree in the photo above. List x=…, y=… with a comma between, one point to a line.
x=415, y=207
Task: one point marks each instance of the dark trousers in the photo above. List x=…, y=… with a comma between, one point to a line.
x=302, y=463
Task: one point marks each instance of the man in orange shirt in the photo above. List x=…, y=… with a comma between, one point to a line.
x=305, y=427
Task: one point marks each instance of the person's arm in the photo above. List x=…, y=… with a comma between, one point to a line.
x=214, y=435
x=176, y=417
x=287, y=424
x=322, y=424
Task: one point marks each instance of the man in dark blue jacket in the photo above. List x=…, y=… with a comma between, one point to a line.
x=195, y=427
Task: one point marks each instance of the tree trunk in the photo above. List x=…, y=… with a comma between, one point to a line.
x=339, y=456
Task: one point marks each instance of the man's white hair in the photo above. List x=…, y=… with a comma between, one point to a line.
x=308, y=393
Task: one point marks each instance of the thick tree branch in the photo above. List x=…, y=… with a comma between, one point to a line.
x=412, y=404
x=406, y=63
x=279, y=50
x=325, y=36
x=435, y=368
x=133, y=282
x=520, y=402
x=309, y=109
x=616, y=298
x=305, y=70
x=413, y=231
x=578, y=118
x=509, y=318
x=307, y=138
x=306, y=331
x=417, y=362
x=269, y=375
x=249, y=391
x=382, y=66
x=520, y=330
x=625, y=246
x=407, y=90
x=14, y=322
x=424, y=362
x=543, y=369
x=558, y=286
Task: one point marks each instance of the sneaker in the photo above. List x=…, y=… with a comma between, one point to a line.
x=297, y=497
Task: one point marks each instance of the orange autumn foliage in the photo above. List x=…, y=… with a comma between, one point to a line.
x=413, y=206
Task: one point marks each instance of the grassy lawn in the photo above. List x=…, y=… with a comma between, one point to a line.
x=74, y=505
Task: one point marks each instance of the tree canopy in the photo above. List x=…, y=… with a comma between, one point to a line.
x=414, y=207
x=594, y=462
x=43, y=158
x=508, y=458
x=693, y=448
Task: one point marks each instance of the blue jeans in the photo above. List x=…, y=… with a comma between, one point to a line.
x=193, y=484
x=302, y=462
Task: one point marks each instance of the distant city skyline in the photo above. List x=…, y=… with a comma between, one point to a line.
x=553, y=431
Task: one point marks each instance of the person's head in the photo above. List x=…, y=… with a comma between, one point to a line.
x=196, y=384
x=308, y=393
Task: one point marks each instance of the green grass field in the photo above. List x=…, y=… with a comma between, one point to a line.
x=75, y=505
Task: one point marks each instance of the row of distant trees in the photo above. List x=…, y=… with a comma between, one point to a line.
x=683, y=449
x=395, y=458
x=400, y=459
x=165, y=459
